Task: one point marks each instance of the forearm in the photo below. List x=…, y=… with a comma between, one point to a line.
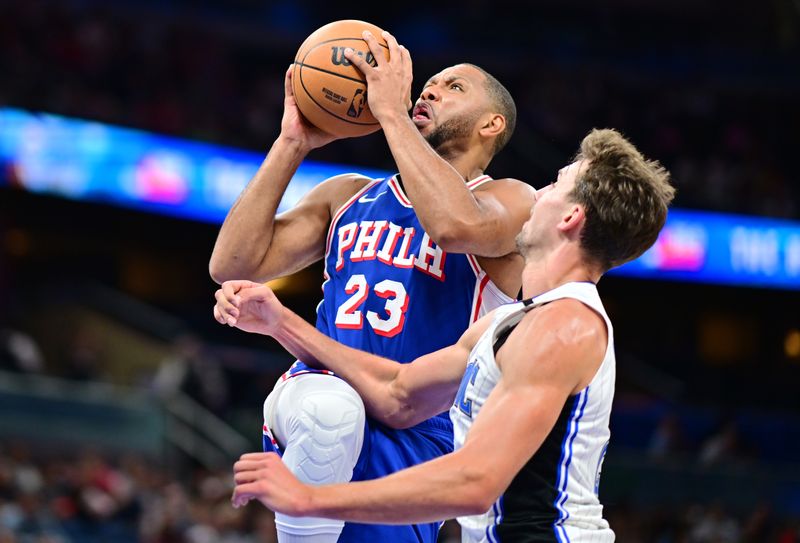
x=444, y=488
x=246, y=234
x=438, y=192
x=372, y=376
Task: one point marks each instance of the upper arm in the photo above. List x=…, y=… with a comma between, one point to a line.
x=549, y=357
x=503, y=207
x=300, y=233
x=428, y=385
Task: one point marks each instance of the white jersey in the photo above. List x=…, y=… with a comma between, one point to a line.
x=554, y=496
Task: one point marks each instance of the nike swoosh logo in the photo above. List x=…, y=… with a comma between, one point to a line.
x=365, y=200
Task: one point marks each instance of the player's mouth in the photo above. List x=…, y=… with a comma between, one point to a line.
x=422, y=114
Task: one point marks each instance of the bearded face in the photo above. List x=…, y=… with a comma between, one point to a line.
x=457, y=128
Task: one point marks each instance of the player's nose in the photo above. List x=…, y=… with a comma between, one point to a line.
x=430, y=93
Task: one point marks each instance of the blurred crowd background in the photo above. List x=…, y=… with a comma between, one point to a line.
x=122, y=403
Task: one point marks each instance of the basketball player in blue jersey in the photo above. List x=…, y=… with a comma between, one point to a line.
x=529, y=386
x=410, y=262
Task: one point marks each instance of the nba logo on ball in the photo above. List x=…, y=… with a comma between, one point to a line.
x=330, y=92
x=357, y=103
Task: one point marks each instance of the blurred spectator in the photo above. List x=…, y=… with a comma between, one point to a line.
x=714, y=525
x=791, y=533
x=19, y=352
x=760, y=525
x=725, y=445
x=83, y=358
x=86, y=498
x=668, y=438
x=190, y=368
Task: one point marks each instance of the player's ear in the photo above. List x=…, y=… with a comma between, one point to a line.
x=572, y=219
x=492, y=125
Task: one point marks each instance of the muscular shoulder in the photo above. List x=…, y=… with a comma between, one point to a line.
x=567, y=321
x=512, y=194
x=338, y=189
x=509, y=187
x=564, y=337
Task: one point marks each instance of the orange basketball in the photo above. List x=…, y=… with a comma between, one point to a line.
x=330, y=92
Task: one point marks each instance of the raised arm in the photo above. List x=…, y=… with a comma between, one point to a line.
x=548, y=357
x=255, y=244
x=399, y=395
x=483, y=222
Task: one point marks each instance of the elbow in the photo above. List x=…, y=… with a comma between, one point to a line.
x=227, y=269
x=397, y=421
x=476, y=507
x=400, y=413
x=460, y=234
x=402, y=419
x=215, y=274
x=218, y=271
x=450, y=237
x=478, y=498
x=482, y=500
x=480, y=489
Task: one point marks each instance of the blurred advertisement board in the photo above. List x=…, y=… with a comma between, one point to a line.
x=722, y=248
x=91, y=161
x=83, y=160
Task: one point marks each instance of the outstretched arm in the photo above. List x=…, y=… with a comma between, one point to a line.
x=549, y=357
x=399, y=395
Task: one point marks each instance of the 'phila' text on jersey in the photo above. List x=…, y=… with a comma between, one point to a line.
x=390, y=244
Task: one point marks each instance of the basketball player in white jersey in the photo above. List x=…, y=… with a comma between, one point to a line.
x=529, y=386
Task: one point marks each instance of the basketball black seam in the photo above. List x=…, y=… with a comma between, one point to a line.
x=355, y=80
x=337, y=39
x=303, y=64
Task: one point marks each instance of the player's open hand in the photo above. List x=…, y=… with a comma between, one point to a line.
x=249, y=306
x=294, y=126
x=389, y=81
x=264, y=477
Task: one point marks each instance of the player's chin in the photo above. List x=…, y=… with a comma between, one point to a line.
x=423, y=124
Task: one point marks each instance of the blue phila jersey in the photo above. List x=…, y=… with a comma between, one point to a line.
x=389, y=289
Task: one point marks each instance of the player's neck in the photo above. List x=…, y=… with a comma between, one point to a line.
x=469, y=162
x=545, y=272
x=466, y=167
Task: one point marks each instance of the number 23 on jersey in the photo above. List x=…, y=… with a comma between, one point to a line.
x=351, y=317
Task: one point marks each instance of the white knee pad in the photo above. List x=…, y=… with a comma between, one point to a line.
x=318, y=420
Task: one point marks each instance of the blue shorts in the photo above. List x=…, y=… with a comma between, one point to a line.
x=386, y=451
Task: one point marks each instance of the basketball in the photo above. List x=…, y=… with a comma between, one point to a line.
x=330, y=92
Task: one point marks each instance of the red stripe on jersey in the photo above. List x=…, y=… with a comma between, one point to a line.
x=479, y=302
x=342, y=209
x=398, y=192
x=474, y=183
x=289, y=374
x=403, y=199
x=473, y=262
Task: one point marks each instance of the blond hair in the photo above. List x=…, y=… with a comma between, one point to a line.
x=625, y=197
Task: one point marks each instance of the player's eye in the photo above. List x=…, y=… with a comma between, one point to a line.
x=457, y=86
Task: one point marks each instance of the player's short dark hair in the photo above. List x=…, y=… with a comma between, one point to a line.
x=500, y=99
x=625, y=197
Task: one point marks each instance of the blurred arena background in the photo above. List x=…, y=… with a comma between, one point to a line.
x=122, y=402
